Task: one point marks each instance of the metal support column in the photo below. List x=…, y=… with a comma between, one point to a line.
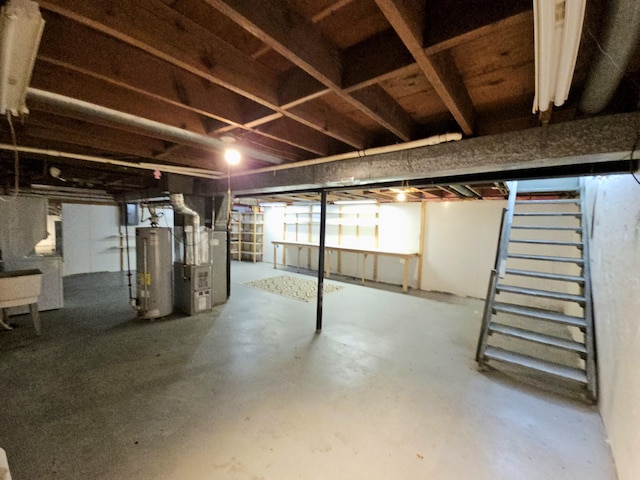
x=323, y=229
x=229, y=202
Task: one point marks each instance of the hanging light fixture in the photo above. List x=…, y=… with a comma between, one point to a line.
x=21, y=26
x=557, y=32
x=401, y=193
x=232, y=156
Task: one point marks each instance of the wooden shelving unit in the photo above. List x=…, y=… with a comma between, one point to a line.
x=345, y=226
x=247, y=235
x=303, y=225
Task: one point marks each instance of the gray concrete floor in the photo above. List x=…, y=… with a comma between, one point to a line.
x=389, y=389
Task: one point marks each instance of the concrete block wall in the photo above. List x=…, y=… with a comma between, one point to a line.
x=91, y=238
x=614, y=206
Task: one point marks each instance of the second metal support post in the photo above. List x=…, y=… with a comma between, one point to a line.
x=323, y=227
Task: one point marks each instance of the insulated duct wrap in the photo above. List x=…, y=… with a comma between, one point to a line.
x=619, y=42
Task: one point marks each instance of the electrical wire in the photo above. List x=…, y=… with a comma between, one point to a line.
x=16, y=160
x=126, y=233
x=611, y=59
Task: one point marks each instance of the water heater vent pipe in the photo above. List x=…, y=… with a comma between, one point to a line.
x=177, y=202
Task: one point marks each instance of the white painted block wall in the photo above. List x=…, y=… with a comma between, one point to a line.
x=91, y=238
x=460, y=246
x=460, y=249
x=615, y=262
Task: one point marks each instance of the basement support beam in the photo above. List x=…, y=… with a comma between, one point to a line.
x=568, y=145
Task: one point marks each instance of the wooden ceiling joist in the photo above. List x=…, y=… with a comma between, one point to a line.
x=298, y=135
x=172, y=38
x=408, y=19
x=108, y=59
x=303, y=44
x=293, y=80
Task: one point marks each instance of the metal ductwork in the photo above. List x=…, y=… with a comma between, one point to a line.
x=192, y=248
x=151, y=127
x=618, y=43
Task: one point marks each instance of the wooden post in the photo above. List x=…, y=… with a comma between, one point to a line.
x=339, y=269
x=423, y=213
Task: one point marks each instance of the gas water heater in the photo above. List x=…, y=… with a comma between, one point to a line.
x=154, y=282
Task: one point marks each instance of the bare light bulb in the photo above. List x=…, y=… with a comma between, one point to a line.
x=232, y=156
x=401, y=197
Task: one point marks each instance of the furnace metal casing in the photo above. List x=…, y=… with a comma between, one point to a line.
x=193, y=288
x=154, y=282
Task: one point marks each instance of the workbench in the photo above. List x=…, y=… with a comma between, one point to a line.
x=365, y=252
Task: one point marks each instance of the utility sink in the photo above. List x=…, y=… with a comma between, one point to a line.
x=21, y=287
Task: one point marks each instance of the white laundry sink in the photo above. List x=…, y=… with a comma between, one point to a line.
x=20, y=287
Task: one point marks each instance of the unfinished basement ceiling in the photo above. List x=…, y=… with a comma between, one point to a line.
x=412, y=193
x=289, y=80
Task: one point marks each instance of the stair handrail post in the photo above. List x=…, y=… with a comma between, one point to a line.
x=590, y=361
x=491, y=293
x=500, y=236
x=503, y=249
x=486, y=315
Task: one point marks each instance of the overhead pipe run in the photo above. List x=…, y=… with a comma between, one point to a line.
x=151, y=127
x=191, y=138
x=619, y=42
x=194, y=172
x=423, y=142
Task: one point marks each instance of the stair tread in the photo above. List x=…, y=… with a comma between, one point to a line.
x=540, y=314
x=546, y=258
x=547, y=201
x=546, y=227
x=547, y=214
x=546, y=242
x=545, y=275
x=562, y=371
x=537, y=337
x=534, y=292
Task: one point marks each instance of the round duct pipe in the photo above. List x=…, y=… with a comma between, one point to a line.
x=191, y=248
x=619, y=41
x=152, y=128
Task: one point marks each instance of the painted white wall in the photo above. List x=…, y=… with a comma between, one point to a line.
x=91, y=238
x=615, y=262
x=460, y=246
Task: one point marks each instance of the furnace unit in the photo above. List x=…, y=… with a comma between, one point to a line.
x=192, y=268
x=192, y=273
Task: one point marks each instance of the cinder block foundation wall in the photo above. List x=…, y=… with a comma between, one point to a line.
x=91, y=237
x=615, y=267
